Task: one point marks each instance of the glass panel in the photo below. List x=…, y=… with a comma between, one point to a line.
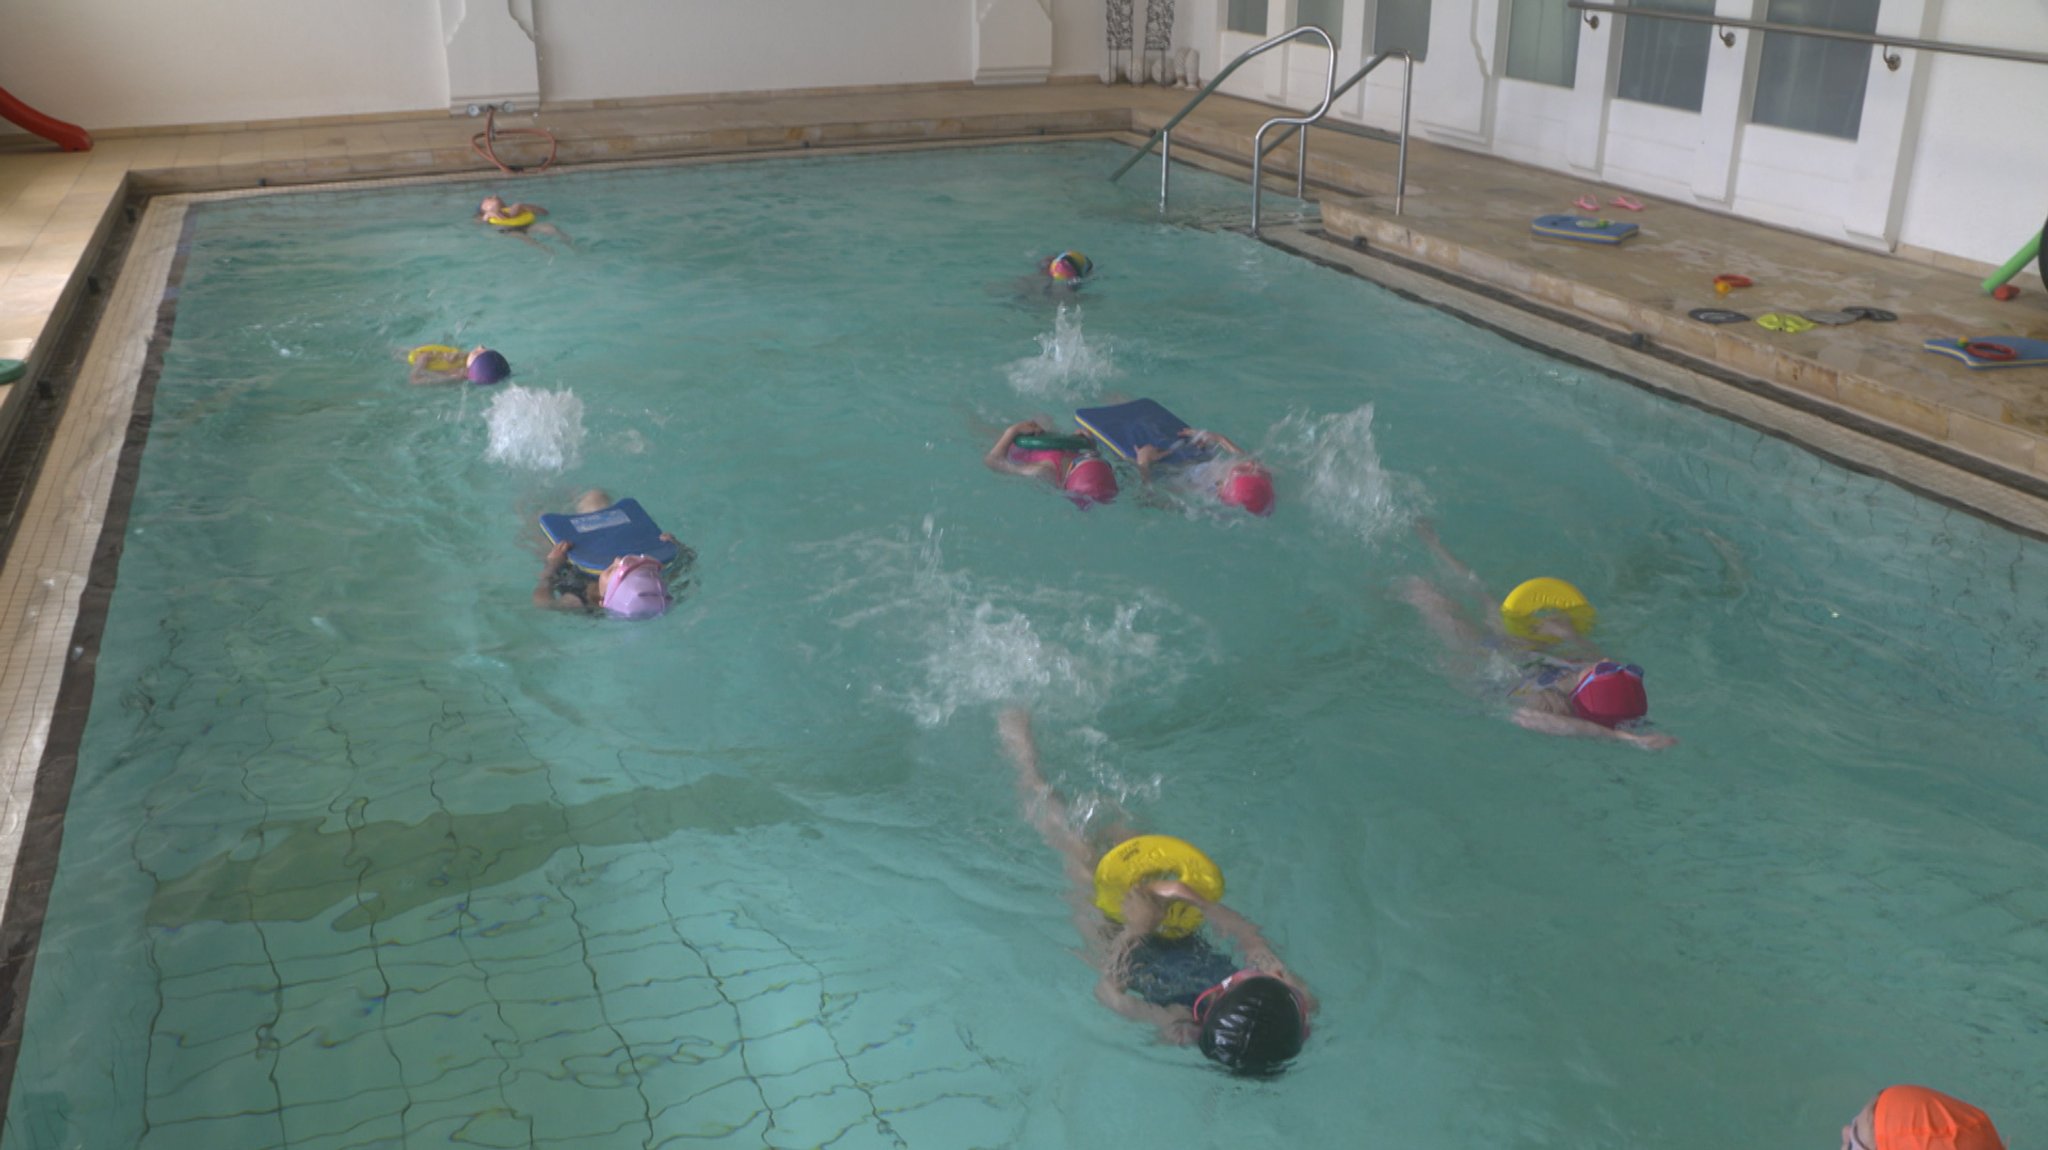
x=1248, y=16
x=1543, y=42
x=1325, y=14
x=1401, y=24
x=1815, y=85
x=1664, y=61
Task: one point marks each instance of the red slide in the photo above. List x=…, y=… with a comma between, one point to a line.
x=69, y=137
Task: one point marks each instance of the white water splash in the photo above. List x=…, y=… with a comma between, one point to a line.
x=1066, y=366
x=1346, y=484
x=541, y=430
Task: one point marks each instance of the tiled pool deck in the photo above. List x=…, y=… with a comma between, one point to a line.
x=1466, y=215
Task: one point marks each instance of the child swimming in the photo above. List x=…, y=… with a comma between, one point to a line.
x=1249, y=1016
x=1230, y=476
x=630, y=587
x=1916, y=1118
x=519, y=219
x=481, y=365
x=1085, y=476
x=1566, y=686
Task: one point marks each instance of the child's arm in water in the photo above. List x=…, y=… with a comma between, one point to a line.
x=1551, y=723
x=544, y=594
x=1256, y=950
x=1142, y=916
x=998, y=457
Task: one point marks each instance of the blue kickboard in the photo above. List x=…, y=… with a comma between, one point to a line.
x=599, y=537
x=1583, y=229
x=2026, y=352
x=1125, y=427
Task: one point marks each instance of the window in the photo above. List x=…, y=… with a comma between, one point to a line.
x=1325, y=14
x=1400, y=24
x=1665, y=61
x=1815, y=85
x=1248, y=16
x=1543, y=42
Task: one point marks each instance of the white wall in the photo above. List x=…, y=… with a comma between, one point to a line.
x=139, y=63
x=131, y=63
x=1979, y=184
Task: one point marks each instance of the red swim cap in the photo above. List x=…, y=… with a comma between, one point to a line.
x=1251, y=489
x=1091, y=479
x=1610, y=694
x=1916, y=1118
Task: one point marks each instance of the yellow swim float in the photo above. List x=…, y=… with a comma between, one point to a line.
x=438, y=357
x=518, y=221
x=1154, y=858
x=1525, y=606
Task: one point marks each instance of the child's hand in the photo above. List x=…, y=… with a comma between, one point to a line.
x=558, y=555
x=1653, y=740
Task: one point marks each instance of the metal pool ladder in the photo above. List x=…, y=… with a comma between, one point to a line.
x=1164, y=136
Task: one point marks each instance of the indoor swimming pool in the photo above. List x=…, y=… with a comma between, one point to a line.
x=366, y=851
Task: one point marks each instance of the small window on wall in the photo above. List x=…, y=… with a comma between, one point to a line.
x=1325, y=14
x=1399, y=24
x=1543, y=42
x=1813, y=85
x=1665, y=61
x=1248, y=16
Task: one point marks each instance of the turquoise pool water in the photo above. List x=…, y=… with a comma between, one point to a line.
x=366, y=851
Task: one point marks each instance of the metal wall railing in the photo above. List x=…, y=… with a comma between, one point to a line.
x=1887, y=43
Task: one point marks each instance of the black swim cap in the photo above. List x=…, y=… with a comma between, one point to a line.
x=1253, y=1027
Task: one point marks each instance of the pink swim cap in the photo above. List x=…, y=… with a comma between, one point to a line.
x=638, y=592
x=1251, y=490
x=1611, y=694
x=1091, y=479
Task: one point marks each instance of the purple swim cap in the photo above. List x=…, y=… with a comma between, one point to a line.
x=638, y=591
x=488, y=367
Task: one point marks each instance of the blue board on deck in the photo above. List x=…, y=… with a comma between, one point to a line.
x=2025, y=352
x=1582, y=229
x=1125, y=427
x=597, y=538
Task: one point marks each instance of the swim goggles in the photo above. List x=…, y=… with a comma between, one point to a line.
x=1851, y=1140
x=1202, y=1000
x=1606, y=667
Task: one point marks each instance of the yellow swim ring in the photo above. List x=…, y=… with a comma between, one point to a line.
x=438, y=357
x=1524, y=605
x=518, y=221
x=1152, y=858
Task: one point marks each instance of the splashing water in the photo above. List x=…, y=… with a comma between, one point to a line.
x=542, y=430
x=1065, y=366
x=1346, y=483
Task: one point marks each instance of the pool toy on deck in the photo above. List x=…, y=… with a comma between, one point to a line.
x=1784, y=321
x=1830, y=318
x=1125, y=427
x=11, y=370
x=1996, y=351
x=2032, y=250
x=1155, y=858
x=438, y=357
x=1873, y=314
x=1582, y=229
x=2004, y=292
x=1526, y=605
x=69, y=137
x=1717, y=315
x=1729, y=281
x=598, y=537
x=1627, y=203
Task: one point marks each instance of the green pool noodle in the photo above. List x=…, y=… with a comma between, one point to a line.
x=11, y=370
x=2012, y=266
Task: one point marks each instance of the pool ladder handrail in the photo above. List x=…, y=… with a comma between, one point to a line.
x=1164, y=136
x=1301, y=167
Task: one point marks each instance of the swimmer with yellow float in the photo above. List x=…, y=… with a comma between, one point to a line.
x=1566, y=687
x=1141, y=904
x=522, y=220
x=441, y=363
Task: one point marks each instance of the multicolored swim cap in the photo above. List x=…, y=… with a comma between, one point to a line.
x=638, y=592
x=1090, y=479
x=488, y=367
x=1252, y=1023
x=1251, y=490
x=1611, y=694
x=1069, y=265
x=1916, y=1118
